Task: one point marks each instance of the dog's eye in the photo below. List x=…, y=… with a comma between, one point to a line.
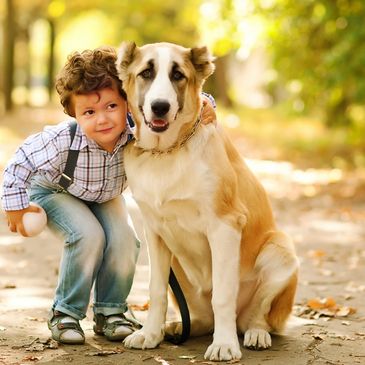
x=146, y=74
x=177, y=75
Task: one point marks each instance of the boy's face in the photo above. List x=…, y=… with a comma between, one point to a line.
x=101, y=115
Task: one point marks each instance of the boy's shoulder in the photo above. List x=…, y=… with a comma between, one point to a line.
x=58, y=134
x=62, y=128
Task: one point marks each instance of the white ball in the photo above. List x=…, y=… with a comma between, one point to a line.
x=34, y=222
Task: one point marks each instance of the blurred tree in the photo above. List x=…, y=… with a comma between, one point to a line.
x=143, y=21
x=318, y=49
x=220, y=30
x=9, y=45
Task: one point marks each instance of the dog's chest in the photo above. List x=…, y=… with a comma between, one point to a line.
x=171, y=189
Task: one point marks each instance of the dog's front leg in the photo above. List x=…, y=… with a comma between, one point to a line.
x=152, y=332
x=224, y=243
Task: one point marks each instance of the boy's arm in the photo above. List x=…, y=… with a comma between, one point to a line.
x=38, y=153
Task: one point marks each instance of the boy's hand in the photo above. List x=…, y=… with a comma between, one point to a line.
x=15, y=219
x=208, y=113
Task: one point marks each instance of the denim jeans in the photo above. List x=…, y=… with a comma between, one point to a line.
x=100, y=249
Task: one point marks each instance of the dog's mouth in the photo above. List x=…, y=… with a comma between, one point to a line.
x=157, y=125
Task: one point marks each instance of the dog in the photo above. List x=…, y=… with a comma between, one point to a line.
x=205, y=213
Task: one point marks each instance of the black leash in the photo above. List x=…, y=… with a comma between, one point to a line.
x=184, y=311
x=66, y=181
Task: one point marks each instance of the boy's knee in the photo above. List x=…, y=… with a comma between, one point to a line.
x=91, y=237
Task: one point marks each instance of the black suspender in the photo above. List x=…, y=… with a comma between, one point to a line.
x=68, y=172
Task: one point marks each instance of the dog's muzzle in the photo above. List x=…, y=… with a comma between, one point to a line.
x=160, y=108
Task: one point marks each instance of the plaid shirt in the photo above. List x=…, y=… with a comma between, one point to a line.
x=99, y=175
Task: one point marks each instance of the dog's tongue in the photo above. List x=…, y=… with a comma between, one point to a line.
x=159, y=122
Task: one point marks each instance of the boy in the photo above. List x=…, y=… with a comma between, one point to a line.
x=100, y=247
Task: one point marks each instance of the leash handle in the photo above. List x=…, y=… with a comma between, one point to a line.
x=184, y=311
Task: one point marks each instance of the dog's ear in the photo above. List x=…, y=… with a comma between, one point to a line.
x=202, y=61
x=126, y=54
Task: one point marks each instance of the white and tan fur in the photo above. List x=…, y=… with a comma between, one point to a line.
x=204, y=212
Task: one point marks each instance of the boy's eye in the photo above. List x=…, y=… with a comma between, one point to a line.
x=112, y=105
x=177, y=75
x=89, y=112
x=146, y=74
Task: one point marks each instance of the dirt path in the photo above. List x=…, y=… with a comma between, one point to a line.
x=322, y=210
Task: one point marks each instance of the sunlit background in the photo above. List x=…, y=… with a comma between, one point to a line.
x=288, y=73
x=290, y=89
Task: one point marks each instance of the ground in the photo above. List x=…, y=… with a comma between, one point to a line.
x=323, y=210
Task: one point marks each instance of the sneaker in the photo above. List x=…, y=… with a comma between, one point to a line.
x=65, y=329
x=115, y=327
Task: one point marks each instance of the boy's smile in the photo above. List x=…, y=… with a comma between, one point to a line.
x=101, y=115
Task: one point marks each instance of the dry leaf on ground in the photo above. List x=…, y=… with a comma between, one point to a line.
x=138, y=307
x=327, y=307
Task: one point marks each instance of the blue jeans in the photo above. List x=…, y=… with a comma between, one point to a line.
x=100, y=249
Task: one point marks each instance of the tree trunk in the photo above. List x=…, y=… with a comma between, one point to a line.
x=9, y=42
x=221, y=81
x=51, y=59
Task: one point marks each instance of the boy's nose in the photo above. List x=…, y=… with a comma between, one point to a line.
x=102, y=118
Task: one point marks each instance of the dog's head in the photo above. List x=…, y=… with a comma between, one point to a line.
x=163, y=82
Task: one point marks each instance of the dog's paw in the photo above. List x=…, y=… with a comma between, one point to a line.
x=223, y=352
x=173, y=328
x=257, y=339
x=143, y=340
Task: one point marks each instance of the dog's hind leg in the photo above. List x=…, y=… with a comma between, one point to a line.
x=276, y=267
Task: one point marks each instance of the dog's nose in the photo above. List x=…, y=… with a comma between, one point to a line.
x=160, y=107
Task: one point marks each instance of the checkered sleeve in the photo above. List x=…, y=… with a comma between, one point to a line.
x=211, y=99
x=39, y=153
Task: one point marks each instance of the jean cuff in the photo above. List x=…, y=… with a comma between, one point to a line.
x=108, y=309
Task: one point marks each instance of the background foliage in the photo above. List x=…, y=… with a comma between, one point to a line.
x=304, y=59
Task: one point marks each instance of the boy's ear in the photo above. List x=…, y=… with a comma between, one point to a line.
x=126, y=53
x=202, y=61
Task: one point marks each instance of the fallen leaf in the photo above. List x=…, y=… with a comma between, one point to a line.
x=316, y=254
x=325, y=307
x=141, y=308
x=105, y=352
x=321, y=303
x=345, y=311
x=161, y=360
x=9, y=286
x=318, y=337
x=32, y=358
x=35, y=319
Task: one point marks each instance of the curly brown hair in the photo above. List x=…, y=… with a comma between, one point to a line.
x=85, y=72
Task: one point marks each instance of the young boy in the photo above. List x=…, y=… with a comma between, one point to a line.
x=100, y=247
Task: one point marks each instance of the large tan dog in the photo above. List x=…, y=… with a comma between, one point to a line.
x=204, y=211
